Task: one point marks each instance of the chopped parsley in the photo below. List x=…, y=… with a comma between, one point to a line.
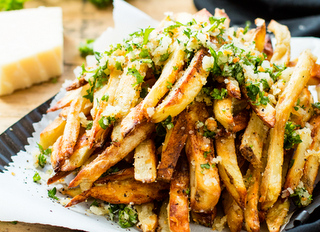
x=134, y=72
x=215, y=22
x=207, y=133
x=36, y=177
x=106, y=121
x=105, y=98
x=205, y=154
x=52, y=193
x=119, y=66
x=301, y=197
x=86, y=47
x=167, y=123
x=169, y=85
x=144, y=53
x=128, y=217
x=42, y=157
x=206, y=166
x=175, y=68
x=164, y=56
x=291, y=138
x=219, y=94
x=89, y=125
x=146, y=34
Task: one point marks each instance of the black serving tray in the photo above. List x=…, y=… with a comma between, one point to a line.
x=15, y=138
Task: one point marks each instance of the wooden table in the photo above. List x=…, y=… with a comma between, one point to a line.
x=81, y=20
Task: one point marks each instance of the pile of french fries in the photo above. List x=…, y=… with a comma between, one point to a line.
x=196, y=116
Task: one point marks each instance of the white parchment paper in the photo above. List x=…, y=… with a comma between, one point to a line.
x=23, y=200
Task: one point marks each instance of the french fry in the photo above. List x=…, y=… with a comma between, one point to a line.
x=52, y=132
x=56, y=155
x=233, y=211
x=298, y=160
x=72, y=127
x=223, y=112
x=184, y=90
x=82, y=152
x=276, y=215
x=132, y=119
x=163, y=218
x=268, y=49
x=229, y=170
x=303, y=110
x=98, y=135
x=169, y=74
x=233, y=88
x=204, y=178
x=148, y=220
x=112, y=155
x=281, y=53
x=251, y=213
x=178, y=207
x=253, y=139
x=311, y=165
x=174, y=142
x=123, y=190
x=271, y=181
x=145, y=162
x=65, y=101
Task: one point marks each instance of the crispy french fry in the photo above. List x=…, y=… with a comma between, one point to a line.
x=178, y=207
x=98, y=135
x=276, y=215
x=204, y=178
x=134, y=118
x=56, y=155
x=111, y=156
x=229, y=170
x=171, y=149
x=148, y=220
x=163, y=218
x=184, y=90
x=253, y=139
x=145, y=162
x=281, y=53
x=52, y=132
x=223, y=112
x=70, y=191
x=82, y=152
x=251, y=213
x=78, y=82
x=260, y=34
x=271, y=181
x=169, y=74
x=298, y=160
x=57, y=176
x=72, y=127
x=233, y=211
x=311, y=165
x=233, y=88
x=123, y=190
x=65, y=101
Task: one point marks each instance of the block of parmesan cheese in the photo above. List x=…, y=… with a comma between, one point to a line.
x=31, y=47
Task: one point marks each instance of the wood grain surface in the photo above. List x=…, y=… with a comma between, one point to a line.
x=81, y=20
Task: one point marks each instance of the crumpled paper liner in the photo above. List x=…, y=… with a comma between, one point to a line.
x=23, y=200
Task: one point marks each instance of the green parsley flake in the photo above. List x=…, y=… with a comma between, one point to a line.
x=36, y=177
x=52, y=193
x=291, y=138
x=134, y=72
x=105, y=122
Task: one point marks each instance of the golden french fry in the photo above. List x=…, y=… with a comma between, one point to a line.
x=52, y=132
x=298, y=160
x=204, y=178
x=65, y=101
x=271, y=181
x=123, y=190
x=229, y=170
x=253, y=139
x=163, y=218
x=184, y=90
x=111, y=156
x=145, y=162
x=148, y=220
x=281, y=53
x=233, y=211
x=205, y=219
x=276, y=215
x=178, y=207
x=251, y=213
x=171, y=149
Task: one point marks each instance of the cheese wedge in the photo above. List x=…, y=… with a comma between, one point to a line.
x=31, y=47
